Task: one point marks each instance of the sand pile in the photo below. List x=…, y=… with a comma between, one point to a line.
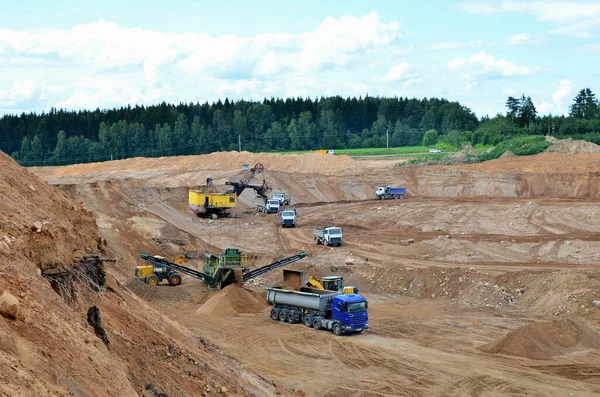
x=163, y=292
x=543, y=163
x=232, y=301
x=572, y=147
x=218, y=161
x=508, y=155
x=545, y=340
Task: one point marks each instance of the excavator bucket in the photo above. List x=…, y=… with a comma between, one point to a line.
x=191, y=254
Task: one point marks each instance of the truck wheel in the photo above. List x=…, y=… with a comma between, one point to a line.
x=152, y=279
x=395, y=197
x=316, y=323
x=402, y=197
x=283, y=315
x=308, y=319
x=174, y=279
x=337, y=329
x=291, y=318
x=274, y=314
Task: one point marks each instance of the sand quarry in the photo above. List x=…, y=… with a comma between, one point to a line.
x=485, y=281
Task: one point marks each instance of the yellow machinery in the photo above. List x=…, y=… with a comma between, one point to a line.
x=153, y=273
x=321, y=151
x=328, y=283
x=206, y=201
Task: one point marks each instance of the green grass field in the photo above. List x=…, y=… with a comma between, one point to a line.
x=367, y=152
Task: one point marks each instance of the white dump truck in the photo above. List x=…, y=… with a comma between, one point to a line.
x=283, y=198
x=288, y=218
x=328, y=235
x=269, y=206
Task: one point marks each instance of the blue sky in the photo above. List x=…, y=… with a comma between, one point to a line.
x=102, y=54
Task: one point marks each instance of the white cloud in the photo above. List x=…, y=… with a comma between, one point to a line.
x=560, y=100
x=450, y=45
x=517, y=39
x=104, y=64
x=574, y=18
x=589, y=48
x=398, y=72
x=481, y=66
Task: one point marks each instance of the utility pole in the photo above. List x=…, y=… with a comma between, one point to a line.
x=240, y=143
x=387, y=138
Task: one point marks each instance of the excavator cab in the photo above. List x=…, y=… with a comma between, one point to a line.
x=333, y=283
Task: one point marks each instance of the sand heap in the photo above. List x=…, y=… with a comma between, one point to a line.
x=572, y=147
x=545, y=340
x=232, y=301
x=218, y=161
x=508, y=155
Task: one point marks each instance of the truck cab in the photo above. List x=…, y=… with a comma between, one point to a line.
x=273, y=205
x=283, y=198
x=288, y=218
x=381, y=191
x=351, y=312
x=332, y=235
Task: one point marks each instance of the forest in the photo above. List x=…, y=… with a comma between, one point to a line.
x=66, y=137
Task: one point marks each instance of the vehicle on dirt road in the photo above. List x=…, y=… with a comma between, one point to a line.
x=288, y=218
x=283, y=198
x=334, y=311
x=328, y=235
x=388, y=192
x=270, y=206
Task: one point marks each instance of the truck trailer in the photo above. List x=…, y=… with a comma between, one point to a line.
x=320, y=309
x=388, y=192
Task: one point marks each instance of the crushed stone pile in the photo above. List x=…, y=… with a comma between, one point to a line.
x=545, y=340
x=233, y=301
x=570, y=146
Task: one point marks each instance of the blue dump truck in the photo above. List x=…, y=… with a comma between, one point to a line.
x=321, y=309
x=388, y=192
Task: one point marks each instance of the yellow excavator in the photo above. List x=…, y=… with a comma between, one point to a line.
x=327, y=283
x=207, y=201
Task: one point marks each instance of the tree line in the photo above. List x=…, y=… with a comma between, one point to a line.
x=66, y=137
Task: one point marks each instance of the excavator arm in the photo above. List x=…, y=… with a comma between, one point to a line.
x=238, y=187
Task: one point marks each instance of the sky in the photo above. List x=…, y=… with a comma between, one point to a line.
x=104, y=54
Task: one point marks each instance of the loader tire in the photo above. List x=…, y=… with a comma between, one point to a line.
x=152, y=279
x=174, y=279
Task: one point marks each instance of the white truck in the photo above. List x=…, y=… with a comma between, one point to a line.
x=288, y=218
x=328, y=235
x=283, y=198
x=269, y=206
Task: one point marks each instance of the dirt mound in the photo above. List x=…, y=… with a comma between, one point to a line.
x=232, y=301
x=158, y=292
x=218, y=161
x=572, y=147
x=508, y=155
x=545, y=340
